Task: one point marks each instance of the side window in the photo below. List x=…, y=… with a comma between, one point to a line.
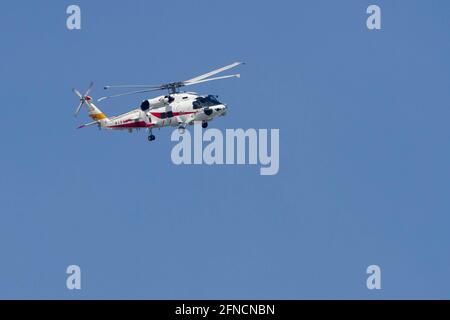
x=196, y=105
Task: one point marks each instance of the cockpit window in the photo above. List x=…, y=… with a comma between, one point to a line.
x=207, y=101
x=213, y=99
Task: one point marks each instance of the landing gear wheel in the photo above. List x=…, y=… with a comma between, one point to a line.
x=204, y=125
x=151, y=137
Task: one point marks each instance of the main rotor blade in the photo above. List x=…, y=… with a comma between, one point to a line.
x=212, y=79
x=126, y=93
x=131, y=86
x=211, y=73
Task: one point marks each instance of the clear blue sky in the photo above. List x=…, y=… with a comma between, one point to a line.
x=364, y=152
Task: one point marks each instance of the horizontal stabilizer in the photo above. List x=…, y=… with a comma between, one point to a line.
x=88, y=124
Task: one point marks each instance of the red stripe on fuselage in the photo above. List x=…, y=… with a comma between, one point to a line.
x=140, y=124
x=158, y=114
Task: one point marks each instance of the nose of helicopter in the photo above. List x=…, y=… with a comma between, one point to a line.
x=221, y=109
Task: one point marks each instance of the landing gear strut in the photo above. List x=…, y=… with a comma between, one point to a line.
x=204, y=125
x=150, y=137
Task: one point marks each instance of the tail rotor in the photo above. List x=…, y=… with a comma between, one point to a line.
x=83, y=98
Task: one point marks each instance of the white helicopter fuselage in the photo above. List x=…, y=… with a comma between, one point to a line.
x=177, y=109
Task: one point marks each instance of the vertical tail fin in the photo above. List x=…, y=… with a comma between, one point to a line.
x=94, y=112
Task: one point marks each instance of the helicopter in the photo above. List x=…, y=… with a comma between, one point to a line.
x=175, y=109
